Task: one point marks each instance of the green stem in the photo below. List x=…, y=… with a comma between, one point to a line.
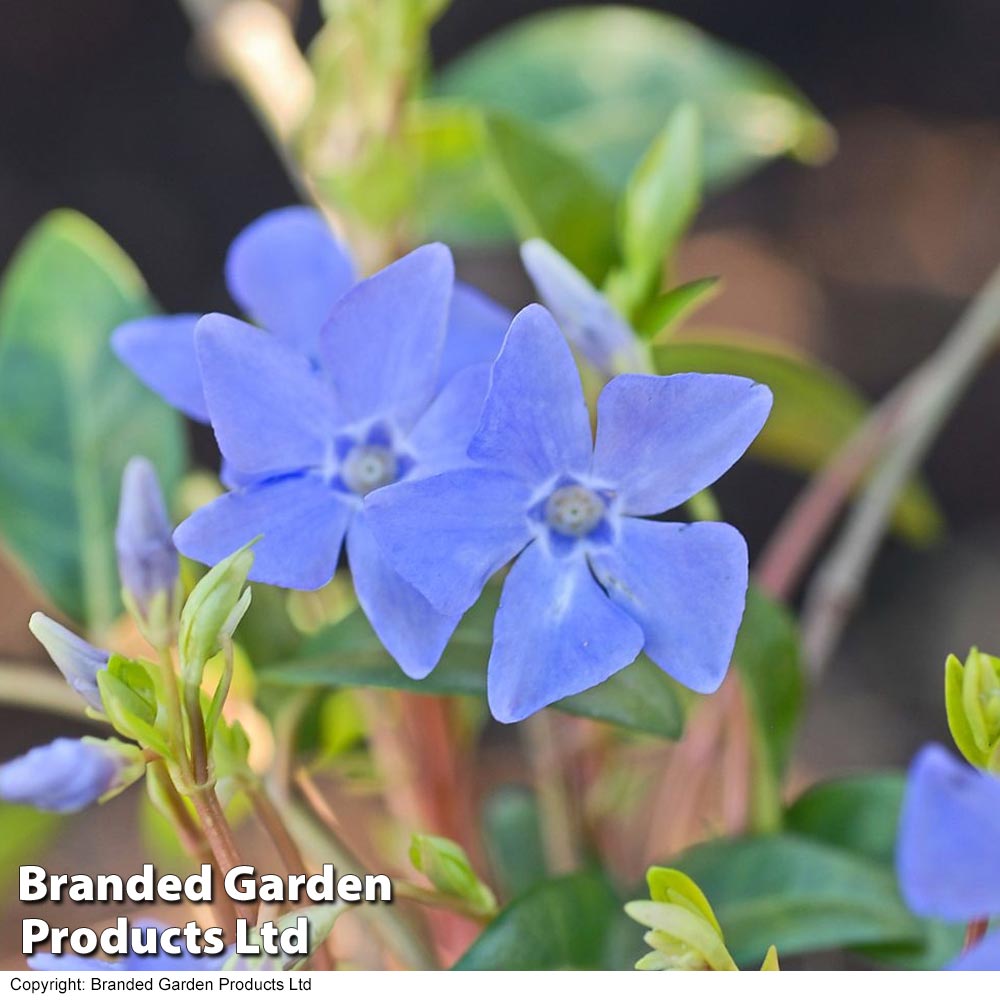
x=172, y=699
x=935, y=388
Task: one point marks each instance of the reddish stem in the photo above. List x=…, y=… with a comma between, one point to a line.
x=975, y=932
x=810, y=517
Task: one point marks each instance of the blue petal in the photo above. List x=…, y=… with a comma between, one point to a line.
x=409, y=628
x=270, y=410
x=535, y=422
x=302, y=519
x=556, y=634
x=685, y=585
x=448, y=534
x=382, y=344
x=77, y=660
x=440, y=440
x=160, y=351
x=286, y=271
x=946, y=853
x=588, y=319
x=982, y=957
x=476, y=328
x=662, y=438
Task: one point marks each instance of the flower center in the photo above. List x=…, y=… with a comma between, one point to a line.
x=367, y=467
x=574, y=510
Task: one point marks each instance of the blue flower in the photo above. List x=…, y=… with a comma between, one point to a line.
x=307, y=442
x=68, y=775
x=595, y=582
x=148, y=564
x=946, y=852
x=185, y=962
x=589, y=321
x=78, y=661
x=286, y=271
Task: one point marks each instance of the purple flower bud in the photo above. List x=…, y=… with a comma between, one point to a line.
x=68, y=775
x=147, y=559
x=76, y=658
x=587, y=319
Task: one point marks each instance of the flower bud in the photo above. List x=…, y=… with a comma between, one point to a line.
x=148, y=564
x=684, y=932
x=972, y=699
x=77, y=659
x=68, y=775
x=212, y=612
x=587, y=319
x=450, y=872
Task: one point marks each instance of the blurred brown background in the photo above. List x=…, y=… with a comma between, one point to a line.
x=866, y=262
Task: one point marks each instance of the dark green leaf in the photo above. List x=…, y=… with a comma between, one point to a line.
x=641, y=697
x=561, y=924
x=551, y=194
x=513, y=835
x=70, y=414
x=857, y=813
x=815, y=412
x=767, y=657
x=798, y=894
x=860, y=814
x=604, y=80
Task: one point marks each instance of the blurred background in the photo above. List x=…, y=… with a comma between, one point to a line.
x=105, y=106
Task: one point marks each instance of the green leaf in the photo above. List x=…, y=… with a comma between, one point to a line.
x=71, y=415
x=815, y=412
x=860, y=814
x=513, y=834
x=640, y=697
x=604, y=80
x=660, y=199
x=767, y=658
x=551, y=194
x=667, y=310
x=564, y=923
x=128, y=694
x=799, y=895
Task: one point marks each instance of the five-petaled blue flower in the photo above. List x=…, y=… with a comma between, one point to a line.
x=946, y=853
x=595, y=581
x=286, y=271
x=307, y=440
